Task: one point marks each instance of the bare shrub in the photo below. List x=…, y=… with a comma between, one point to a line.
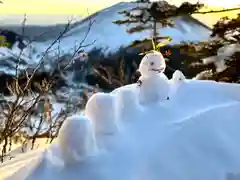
x=28, y=115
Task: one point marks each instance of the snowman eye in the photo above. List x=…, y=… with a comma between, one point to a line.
x=151, y=63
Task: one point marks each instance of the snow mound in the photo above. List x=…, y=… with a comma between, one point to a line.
x=100, y=110
x=97, y=110
x=125, y=106
x=193, y=134
x=206, y=146
x=76, y=139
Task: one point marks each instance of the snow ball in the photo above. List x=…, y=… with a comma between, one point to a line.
x=100, y=110
x=178, y=76
x=76, y=139
x=152, y=63
x=126, y=104
x=177, y=79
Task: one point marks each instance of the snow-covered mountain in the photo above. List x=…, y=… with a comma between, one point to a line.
x=107, y=35
x=111, y=36
x=103, y=32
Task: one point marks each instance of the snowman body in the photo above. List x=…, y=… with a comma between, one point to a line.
x=154, y=88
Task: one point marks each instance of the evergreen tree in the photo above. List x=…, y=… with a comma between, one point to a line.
x=225, y=34
x=146, y=16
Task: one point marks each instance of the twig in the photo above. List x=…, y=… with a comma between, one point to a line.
x=81, y=43
x=20, y=54
x=45, y=53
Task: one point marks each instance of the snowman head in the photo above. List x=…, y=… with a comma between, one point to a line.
x=178, y=76
x=152, y=63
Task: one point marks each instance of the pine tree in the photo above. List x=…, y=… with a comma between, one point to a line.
x=146, y=16
x=225, y=32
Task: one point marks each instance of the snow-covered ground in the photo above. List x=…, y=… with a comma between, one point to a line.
x=192, y=134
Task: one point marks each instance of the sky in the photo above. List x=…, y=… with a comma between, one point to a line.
x=60, y=10
x=54, y=6
x=75, y=6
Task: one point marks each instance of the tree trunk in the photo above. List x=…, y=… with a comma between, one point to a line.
x=155, y=31
x=4, y=148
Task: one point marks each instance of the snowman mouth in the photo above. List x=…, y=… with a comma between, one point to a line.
x=157, y=70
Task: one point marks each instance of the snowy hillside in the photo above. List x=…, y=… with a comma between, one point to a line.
x=111, y=36
x=182, y=130
x=27, y=58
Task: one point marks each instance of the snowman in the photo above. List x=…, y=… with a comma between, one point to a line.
x=100, y=110
x=153, y=84
x=76, y=140
x=178, y=79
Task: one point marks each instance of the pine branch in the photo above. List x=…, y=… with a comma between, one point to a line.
x=126, y=21
x=225, y=25
x=142, y=1
x=217, y=11
x=146, y=41
x=125, y=12
x=138, y=29
x=141, y=8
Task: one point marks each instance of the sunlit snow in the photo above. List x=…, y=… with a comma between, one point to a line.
x=193, y=135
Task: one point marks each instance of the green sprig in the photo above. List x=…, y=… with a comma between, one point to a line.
x=158, y=46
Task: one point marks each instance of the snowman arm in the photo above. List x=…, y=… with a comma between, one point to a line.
x=139, y=82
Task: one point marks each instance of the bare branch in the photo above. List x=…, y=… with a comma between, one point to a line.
x=18, y=113
x=20, y=54
x=45, y=53
x=81, y=43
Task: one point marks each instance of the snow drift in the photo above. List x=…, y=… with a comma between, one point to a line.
x=194, y=135
x=191, y=135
